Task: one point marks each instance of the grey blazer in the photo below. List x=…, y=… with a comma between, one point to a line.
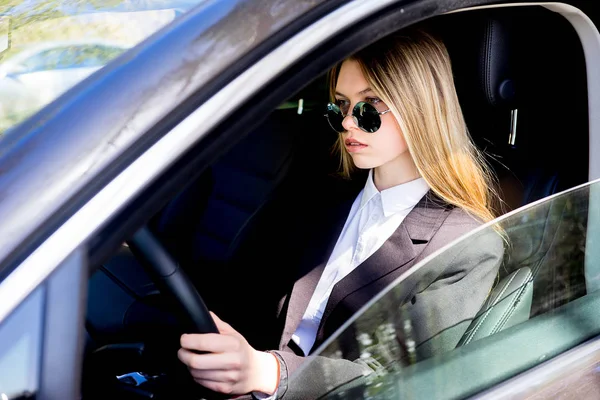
x=440, y=299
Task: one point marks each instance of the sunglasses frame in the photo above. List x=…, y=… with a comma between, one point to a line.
x=354, y=118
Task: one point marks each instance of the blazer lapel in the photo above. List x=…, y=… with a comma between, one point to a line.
x=311, y=268
x=426, y=218
x=405, y=244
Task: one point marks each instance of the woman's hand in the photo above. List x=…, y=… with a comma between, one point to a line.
x=230, y=364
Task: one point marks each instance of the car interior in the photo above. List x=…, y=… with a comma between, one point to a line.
x=524, y=96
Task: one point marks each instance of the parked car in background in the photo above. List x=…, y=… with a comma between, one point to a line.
x=47, y=49
x=207, y=131
x=37, y=75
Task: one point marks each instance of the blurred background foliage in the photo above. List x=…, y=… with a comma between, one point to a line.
x=124, y=21
x=67, y=36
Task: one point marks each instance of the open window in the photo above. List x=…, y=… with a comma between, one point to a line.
x=235, y=193
x=235, y=189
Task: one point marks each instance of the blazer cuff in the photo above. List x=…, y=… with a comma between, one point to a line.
x=283, y=376
x=262, y=396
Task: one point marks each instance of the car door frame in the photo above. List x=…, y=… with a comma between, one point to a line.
x=160, y=159
x=56, y=310
x=125, y=179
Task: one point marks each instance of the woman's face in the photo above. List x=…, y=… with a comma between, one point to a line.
x=368, y=150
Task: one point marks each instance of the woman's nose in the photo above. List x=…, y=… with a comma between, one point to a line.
x=348, y=122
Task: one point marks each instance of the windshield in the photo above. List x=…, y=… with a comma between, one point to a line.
x=47, y=46
x=417, y=340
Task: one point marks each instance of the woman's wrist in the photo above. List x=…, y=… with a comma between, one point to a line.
x=267, y=377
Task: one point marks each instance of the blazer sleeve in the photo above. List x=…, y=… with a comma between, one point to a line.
x=449, y=292
x=439, y=300
x=322, y=375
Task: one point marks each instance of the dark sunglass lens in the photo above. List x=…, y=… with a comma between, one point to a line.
x=367, y=117
x=343, y=105
x=335, y=117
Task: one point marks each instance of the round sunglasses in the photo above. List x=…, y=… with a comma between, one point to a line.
x=365, y=116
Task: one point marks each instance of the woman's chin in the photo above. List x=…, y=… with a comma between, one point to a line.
x=363, y=164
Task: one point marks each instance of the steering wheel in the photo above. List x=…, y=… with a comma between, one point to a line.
x=172, y=281
x=160, y=375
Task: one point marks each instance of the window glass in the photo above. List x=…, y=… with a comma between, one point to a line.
x=65, y=37
x=20, y=349
x=544, y=301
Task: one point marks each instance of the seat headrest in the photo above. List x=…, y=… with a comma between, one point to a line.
x=497, y=75
x=481, y=48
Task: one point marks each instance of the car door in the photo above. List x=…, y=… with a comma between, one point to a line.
x=29, y=270
x=83, y=182
x=41, y=339
x=536, y=336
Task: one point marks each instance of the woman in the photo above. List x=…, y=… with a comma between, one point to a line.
x=398, y=116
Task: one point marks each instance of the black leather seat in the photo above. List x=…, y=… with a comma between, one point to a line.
x=501, y=64
x=204, y=225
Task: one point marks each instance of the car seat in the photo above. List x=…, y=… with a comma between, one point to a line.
x=500, y=64
x=517, y=114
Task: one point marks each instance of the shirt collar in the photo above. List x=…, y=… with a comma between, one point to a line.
x=369, y=191
x=397, y=198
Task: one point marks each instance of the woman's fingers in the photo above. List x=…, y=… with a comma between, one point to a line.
x=215, y=317
x=209, y=342
x=215, y=375
x=223, y=327
x=209, y=361
x=227, y=364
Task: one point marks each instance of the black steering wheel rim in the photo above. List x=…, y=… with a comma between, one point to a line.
x=172, y=281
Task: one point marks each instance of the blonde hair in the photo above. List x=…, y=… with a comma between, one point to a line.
x=411, y=72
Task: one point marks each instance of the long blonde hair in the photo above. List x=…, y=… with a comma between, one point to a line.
x=412, y=74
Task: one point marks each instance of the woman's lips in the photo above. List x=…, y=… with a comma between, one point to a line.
x=353, y=145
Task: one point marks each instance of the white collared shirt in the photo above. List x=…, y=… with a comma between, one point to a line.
x=373, y=218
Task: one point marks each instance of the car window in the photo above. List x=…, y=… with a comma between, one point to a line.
x=67, y=37
x=544, y=301
x=20, y=349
